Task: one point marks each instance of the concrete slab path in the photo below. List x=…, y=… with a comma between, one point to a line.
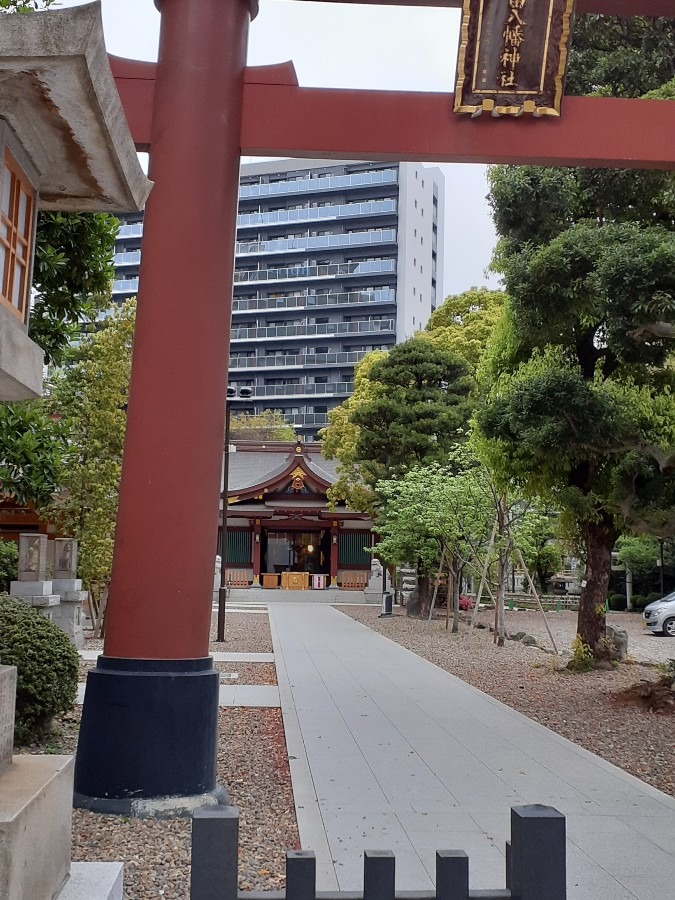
x=387, y=751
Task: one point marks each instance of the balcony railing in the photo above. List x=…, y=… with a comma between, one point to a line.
x=132, y=230
x=125, y=286
x=347, y=357
x=328, y=270
x=317, y=213
x=332, y=389
x=338, y=298
x=330, y=328
x=322, y=183
x=317, y=242
x=307, y=419
x=129, y=258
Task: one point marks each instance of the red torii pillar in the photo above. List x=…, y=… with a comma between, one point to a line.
x=149, y=722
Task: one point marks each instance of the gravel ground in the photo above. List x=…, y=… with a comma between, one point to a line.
x=642, y=645
x=249, y=673
x=578, y=706
x=252, y=764
x=244, y=633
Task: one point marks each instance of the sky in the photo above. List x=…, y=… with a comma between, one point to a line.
x=353, y=46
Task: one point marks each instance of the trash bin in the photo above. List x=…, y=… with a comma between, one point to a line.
x=387, y=601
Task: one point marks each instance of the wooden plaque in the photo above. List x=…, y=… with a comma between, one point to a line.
x=513, y=56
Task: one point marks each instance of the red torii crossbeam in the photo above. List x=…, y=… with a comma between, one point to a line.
x=149, y=719
x=282, y=119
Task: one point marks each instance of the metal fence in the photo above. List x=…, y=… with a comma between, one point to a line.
x=535, y=864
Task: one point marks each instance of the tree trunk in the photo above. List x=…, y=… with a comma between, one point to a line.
x=419, y=603
x=599, y=538
x=500, y=630
x=456, y=591
x=501, y=589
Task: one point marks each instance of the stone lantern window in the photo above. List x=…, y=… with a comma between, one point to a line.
x=17, y=227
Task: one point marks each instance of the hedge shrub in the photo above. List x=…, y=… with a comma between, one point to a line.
x=616, y=601
x=9, y=559
x=47, y=668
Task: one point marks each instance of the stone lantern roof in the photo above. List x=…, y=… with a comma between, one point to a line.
x=58, y=95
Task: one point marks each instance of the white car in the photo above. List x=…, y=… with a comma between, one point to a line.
x=660, y=616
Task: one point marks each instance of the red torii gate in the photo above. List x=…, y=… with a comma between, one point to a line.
x=149, y=722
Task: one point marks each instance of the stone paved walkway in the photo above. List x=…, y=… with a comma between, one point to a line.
x=387, y=751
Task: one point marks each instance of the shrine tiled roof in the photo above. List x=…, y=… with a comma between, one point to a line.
x=251, y=465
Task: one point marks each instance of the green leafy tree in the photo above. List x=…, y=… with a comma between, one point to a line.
x=269, y=425
x=32, y=446
x=638, y=552
x=581, y=408
x=91, y=398
x=464, y=323
x=621, y=57
x=340, y=440
x=417, y=411
x=72, y=277
x=24, y=6
x=536, y=535
x=437, y=517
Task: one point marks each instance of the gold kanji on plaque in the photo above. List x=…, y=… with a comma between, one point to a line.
x=513, y=57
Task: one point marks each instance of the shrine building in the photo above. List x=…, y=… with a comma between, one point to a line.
x=280, y=529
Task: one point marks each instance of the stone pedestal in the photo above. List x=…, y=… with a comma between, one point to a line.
x=7, y=695
x=69, y=614
x=36, y=794
x=35, y=812
x=24, y=588
x=35, y=804
x=377, y=580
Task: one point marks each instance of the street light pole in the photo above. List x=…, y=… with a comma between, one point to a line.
x=244, y=393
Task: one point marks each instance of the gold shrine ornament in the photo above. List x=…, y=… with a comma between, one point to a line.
x=298, y=479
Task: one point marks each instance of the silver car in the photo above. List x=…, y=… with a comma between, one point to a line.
x=660, y=616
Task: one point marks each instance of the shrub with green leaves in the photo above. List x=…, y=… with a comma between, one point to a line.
x=47, y=668
x=9, y=561
x=616, y=601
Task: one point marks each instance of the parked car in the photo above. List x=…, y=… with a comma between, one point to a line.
x=660, y=616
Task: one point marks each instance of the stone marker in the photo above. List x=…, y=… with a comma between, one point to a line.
x=65, y=559
x=32, y=557
x=7, y=704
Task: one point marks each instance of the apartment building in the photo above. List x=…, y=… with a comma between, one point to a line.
x=333, y=259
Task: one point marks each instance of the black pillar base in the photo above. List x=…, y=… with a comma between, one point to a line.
x=149, y=731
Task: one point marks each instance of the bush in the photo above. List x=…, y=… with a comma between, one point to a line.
x=47, y=668
x=655, y=595
x=582, y=657
x=9, y=564
x=616, y=601
x=639, y=602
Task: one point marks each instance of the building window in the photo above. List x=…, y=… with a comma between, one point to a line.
x=16, y=232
